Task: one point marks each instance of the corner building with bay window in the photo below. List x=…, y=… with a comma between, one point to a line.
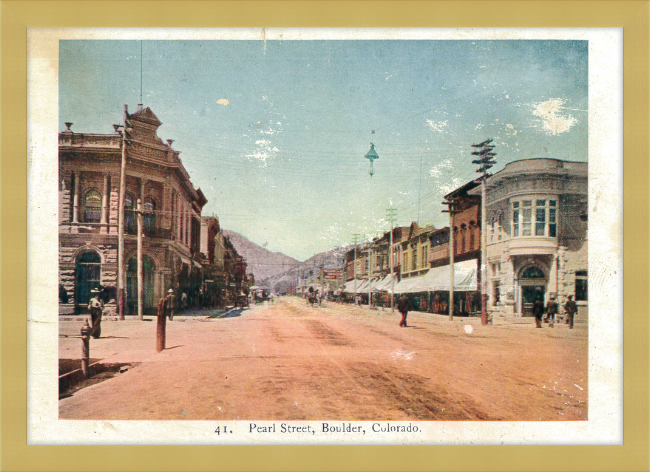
x=89, y=187
x=536, y=235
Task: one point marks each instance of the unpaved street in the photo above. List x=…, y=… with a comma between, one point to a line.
x=288, y=361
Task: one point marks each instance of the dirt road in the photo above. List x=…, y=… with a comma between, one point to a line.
x=288, y=361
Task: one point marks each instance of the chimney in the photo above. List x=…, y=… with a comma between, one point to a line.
x=139, y=107
x=170, y=142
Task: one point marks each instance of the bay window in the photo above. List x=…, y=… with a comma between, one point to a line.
x=537, y=215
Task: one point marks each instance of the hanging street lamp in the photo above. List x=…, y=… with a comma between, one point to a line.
x=371, y=155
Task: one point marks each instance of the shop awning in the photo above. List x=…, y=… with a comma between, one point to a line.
x=410, y=285
x=385, y=284
x=348, y=287
x=437, y=279
x=465, y=277
x=363, y=287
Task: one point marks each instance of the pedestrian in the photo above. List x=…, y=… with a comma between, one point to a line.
x=538, y=311
x=96, y=307
x=404, y=306
x=63, y=294
x=571, y=308
x=171, y=301
x=551, y=311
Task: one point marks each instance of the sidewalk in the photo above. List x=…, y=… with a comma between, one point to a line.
x=497, y=319
x=131, y=339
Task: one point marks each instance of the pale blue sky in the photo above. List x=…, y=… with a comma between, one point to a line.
x=274, y=133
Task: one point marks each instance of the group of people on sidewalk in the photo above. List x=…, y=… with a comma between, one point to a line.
x=552, y=309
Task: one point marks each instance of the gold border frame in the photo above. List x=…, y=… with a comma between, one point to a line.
x=16, y=16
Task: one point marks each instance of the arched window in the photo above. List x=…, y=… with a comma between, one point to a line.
x=533, y=272
x=129, y=214
x=149, y=217
x=92, y=206
x=463, y=229
x=472, y=241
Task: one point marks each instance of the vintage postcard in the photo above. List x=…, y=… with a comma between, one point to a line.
x=325, y=236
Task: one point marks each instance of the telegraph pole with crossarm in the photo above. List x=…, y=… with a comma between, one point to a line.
x=452, y=202
x=484, y=161
x=391, y=217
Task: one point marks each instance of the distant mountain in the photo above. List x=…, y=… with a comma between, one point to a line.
x=261, y=262
x=285, y=280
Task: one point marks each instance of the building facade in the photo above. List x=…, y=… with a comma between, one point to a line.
x=89, y=191
x=536, y=234
x=415, y=246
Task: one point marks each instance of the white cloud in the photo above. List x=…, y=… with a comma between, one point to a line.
x=436, y=171
x=264, y=150
x=451, y=186
x=478, y=126
x=552, y=118
x=438, y=126
x=223, y=101
x=511, y=129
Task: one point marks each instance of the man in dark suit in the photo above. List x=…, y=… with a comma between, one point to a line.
x=538, y=311
x=404, y=306
x=551, y=311
x=571, y=308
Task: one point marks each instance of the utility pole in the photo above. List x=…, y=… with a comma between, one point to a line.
x=484, y=161
x=356, y=242
x=452, y=211
x=369, y=277
x=391, y=217
x=419, y=190
x=120, y=220
x=139, y=261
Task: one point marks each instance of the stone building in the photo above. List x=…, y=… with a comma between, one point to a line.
x=536, y=213
x=89, y=188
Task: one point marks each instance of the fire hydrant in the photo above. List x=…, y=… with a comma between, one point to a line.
x=85, y=348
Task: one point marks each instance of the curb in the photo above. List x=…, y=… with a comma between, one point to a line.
x=70, y=379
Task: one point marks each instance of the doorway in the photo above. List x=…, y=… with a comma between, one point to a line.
x=529, y=295
x=88, y=275
x=147, y=286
